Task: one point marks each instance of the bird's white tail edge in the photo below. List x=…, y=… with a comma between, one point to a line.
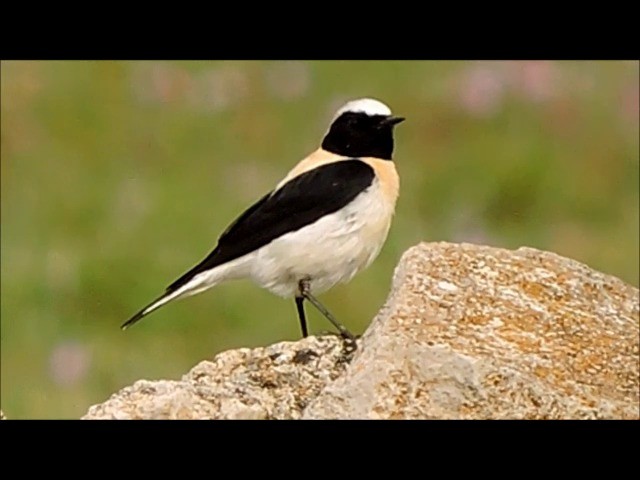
x=164, y=300
x=198, y=284
x=201, y=282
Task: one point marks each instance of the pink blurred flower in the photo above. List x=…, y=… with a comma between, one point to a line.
x=220, y=88
x=480, y=89
x=215, y=89
x=160, y=82
x=535, y=80
x=630, y=104
x=69, y=363
x=288, y=80
x=482, y=86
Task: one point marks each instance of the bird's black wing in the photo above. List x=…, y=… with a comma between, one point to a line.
x=300, y=202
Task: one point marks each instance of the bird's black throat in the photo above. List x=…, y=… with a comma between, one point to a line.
x=355, y=134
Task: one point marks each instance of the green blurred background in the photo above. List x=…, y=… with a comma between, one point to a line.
x=118, y=176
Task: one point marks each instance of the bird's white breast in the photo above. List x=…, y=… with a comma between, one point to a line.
x=331, y=250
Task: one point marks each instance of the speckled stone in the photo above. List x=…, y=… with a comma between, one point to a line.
x=468, y=332
x=275, y=382
x=474, y=332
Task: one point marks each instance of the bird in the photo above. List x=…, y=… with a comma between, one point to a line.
x=323, y=223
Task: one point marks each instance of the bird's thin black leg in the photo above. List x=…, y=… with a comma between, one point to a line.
x=301, y=316
x=306, y=294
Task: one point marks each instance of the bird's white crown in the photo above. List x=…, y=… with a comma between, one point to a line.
x=369, y=106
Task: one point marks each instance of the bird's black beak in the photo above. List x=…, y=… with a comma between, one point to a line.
x=391, y=120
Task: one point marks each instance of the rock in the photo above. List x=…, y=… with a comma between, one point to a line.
x=473, y=332
x=467, y=332
x=275, y=382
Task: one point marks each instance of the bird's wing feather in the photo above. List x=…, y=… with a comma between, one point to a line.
x=300, y=202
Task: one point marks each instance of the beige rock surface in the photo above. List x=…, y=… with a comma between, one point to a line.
x=275, y=382
x=467, y=332
x=478, y=332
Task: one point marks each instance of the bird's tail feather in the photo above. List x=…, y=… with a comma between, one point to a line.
x=196, y=284
x=157, y=303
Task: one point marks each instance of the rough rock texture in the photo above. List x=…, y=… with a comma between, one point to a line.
x=467, y=332
x=275, y=382
x=479, y=332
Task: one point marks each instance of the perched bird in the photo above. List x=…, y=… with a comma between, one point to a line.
x=322, y=224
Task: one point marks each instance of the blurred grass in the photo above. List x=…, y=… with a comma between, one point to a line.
x=119, y=176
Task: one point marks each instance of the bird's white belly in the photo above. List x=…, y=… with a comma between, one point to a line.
x=332, y=250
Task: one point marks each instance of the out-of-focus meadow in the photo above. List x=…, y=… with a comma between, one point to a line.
x=119, y=176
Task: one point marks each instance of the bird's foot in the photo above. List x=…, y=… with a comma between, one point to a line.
x=349, y=341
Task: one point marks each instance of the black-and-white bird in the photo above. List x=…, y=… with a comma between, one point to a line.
x=322, y=224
